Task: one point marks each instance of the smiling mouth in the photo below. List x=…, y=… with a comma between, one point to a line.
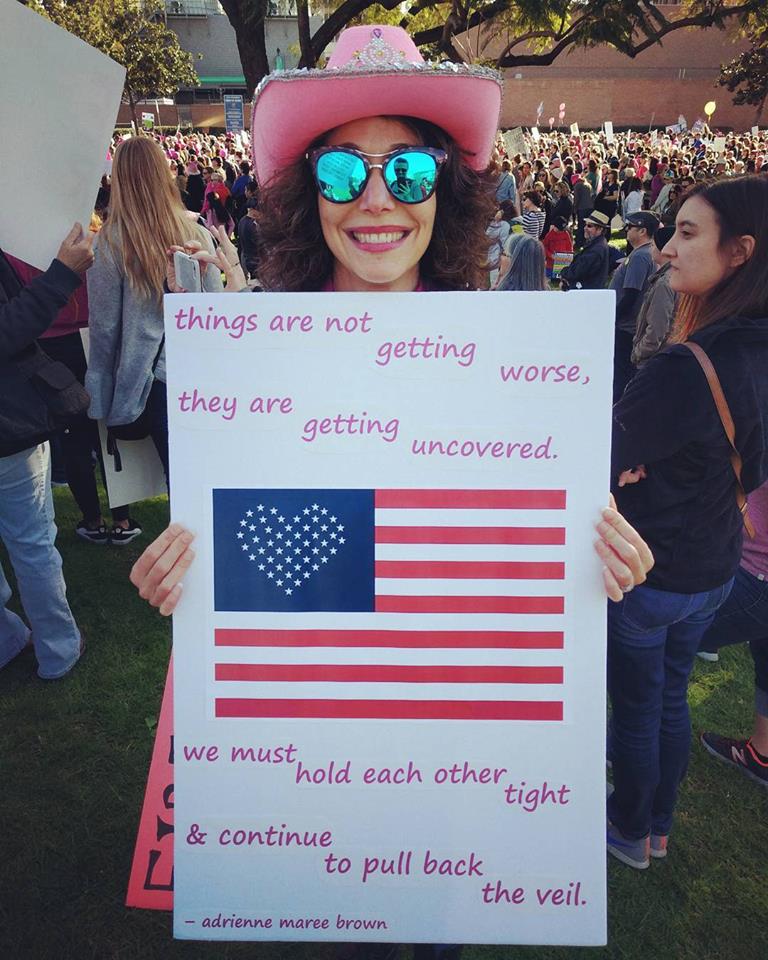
x=380, y=238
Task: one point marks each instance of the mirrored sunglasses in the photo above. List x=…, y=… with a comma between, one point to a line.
x=410, y=173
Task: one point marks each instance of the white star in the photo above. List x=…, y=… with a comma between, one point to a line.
x=298, y=583
x=315, y=549
x=273, y=511
x=297, y=565
x=333, y=519
x=249, y=513
x=289, y=591
x=305, y=511
x=251, y=527
x=279, y=535
x=242, y=523
x=296, y=519
x=323, y=511
x=255, y=539
x=270, y=574
x=252, y=556
x=261, y=549
x=305, y=527
x=315, y=520
x=315, y=506
x=333, y=536
x=323, y=559
x=267, y=529
x=306, y=575
x=315, y=535
x=340, y=528
x=270, y=559
x=297, y=535
x=288, y=575
x=333, y=549
x=262, y=567
x=260, y=507
x=315, y=566
x=305, y=543
x=279, y=566
x=324, y=527
x=305, y=560
x=281, y=519
x=279, y=550
x=288, y=527
x=342, y=540
x=244, y=546
x=323, y=543
x=240, y=535
x=270, y=543
x=262, y=519
x=279, y=583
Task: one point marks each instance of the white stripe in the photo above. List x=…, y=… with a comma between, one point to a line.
x=447, y=517
x=390, y=656
x=470, y=551
x=389, y=691
x=416, y=587
x=391, y=621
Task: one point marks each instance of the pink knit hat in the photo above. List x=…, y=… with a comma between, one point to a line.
x=373, y=71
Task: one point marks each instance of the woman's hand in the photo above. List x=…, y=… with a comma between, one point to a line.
x=158, y=572
x=192, y=249
x=228, y=260
x=633, y=476
x=626, y=556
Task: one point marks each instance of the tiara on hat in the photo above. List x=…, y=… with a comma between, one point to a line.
x=377, y=53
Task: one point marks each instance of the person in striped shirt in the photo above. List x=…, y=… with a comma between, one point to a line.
x=533, y=215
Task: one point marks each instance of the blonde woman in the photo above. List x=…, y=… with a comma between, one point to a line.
x=126, y=369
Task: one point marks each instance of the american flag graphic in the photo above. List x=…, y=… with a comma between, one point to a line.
x=452, y=603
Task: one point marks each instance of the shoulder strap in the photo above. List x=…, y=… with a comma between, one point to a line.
x=727, y=421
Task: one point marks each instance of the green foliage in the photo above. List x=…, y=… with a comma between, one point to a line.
x=746, y=76
x=132, y=33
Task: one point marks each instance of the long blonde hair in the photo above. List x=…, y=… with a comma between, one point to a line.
x=146, y=215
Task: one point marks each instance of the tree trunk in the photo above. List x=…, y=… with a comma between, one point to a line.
x=247, y=19
x=308, y=58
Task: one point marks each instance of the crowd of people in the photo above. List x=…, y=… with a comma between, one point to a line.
x=690, y=421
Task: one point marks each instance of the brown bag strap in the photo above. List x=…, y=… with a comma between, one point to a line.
x=727, y=421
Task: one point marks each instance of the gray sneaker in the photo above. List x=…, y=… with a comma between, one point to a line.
x=635, y=853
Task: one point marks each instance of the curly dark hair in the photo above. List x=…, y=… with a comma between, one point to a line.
x=295, y=253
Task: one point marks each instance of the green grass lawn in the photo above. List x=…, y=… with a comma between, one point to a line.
x=73, y=764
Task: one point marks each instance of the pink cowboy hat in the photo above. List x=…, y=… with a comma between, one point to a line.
x=373, y=71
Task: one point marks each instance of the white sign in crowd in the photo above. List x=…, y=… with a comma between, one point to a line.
x=389, y=653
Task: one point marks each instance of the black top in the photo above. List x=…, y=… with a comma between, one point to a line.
x=667, y=420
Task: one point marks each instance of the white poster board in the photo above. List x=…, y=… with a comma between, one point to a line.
x=718, y=145
x=535, y=134
x=608, y=127
x=140, y=475
x=398, y=735
x=755, y=131
x=62, y=96
x=574, y=130
x=514, y=142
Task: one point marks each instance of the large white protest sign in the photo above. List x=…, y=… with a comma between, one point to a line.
x=389, y=652
x=574, y=130
x=514, y=142
x=608, y=127
x=71, y=94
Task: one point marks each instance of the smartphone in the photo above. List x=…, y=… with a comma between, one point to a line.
x=187, y=272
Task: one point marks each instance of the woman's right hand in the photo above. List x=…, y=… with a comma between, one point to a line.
x=158, y=572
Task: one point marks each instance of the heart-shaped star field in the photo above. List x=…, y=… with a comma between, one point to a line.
x=289, y=551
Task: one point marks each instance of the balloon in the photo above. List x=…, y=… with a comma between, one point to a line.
x=709, y=108
x=551, y=121
x=561, y=108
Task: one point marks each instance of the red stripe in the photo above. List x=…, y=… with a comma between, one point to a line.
x=392, y=709
x=395, y=604
x=384, y=673
x=524, y=535
x=468, y=499
x=406, y=639
x=470, y=570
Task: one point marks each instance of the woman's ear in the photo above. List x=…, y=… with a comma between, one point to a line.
x=742, y=249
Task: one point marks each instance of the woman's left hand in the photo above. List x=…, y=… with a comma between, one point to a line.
x=626, y=557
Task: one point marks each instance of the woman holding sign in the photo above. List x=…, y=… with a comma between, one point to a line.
x=332, y=220
x=364, y=196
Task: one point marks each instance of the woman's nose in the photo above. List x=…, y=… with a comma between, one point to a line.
x=376, y=197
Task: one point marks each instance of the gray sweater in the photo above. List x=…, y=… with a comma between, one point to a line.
x=126, y=332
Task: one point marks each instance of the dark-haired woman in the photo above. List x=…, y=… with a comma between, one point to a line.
x=675, y=482
x=384, y=203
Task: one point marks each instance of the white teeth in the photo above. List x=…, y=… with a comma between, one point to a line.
x=378, y=237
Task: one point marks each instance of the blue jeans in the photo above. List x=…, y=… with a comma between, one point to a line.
x=653, y=636
x=28, y=531
x=744, y=617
